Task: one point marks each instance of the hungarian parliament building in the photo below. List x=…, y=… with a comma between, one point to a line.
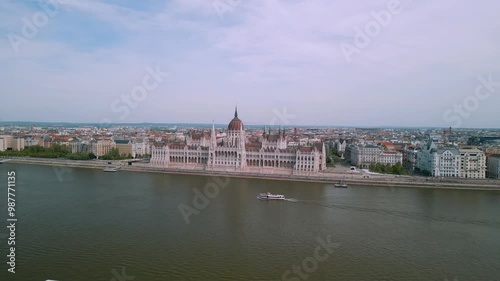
x=235, y=152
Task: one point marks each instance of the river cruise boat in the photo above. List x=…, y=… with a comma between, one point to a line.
x=110, y=169
x=341, y=184
x=269, y=196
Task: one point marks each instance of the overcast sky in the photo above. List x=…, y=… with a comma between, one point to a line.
x=282, y=62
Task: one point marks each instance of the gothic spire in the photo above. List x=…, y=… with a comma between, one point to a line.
x=235, y=111
x=213, y=140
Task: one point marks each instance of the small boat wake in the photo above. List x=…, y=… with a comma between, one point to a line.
x=270, y=196
x=292, y=200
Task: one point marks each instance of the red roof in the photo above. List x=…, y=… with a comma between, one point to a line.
x=305, y=149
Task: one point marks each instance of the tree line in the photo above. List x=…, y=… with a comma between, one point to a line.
x=396, y=169
x=60, y=151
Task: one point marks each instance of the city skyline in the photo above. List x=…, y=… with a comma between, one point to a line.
x=221, y=125
x=250, y=139
x=202, y=57
x=279, y=120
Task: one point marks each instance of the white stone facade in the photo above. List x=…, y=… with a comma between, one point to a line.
x=452, y=162
x=439, y=162
x=140, y=148
x=364, y=155
x=341, y=144
x=234, y=152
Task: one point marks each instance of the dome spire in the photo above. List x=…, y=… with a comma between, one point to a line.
x=235, y=124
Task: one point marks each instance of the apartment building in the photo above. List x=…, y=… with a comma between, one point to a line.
x=341, y=145
x=410, y=157
x=467, y=162
x=102, y=147
x=124, y=147
x=8, y=141
x=364, y=155
x=3, y=147
x=493, y=166
x=473, y=163
x=18, y=144
x=140, y=148
x=390, y=157
x=439, y=162
x=78, y=146
x=31, y=141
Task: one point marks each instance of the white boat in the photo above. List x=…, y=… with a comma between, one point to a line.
x=269, y=196
x=110, y=169
x=341, y=184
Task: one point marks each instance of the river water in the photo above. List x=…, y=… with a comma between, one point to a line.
x=84, y=224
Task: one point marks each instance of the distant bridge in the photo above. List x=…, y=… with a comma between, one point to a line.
x=481, y=140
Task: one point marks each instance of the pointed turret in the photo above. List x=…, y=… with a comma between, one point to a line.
x=242, y=137
x=213, y=140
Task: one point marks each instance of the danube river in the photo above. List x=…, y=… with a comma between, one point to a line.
x=83, y=224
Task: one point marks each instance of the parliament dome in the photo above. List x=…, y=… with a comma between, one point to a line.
x=236, y=124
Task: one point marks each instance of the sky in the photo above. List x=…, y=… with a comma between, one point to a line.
x=295, y=62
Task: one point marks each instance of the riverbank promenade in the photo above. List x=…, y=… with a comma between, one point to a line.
x=328, y=176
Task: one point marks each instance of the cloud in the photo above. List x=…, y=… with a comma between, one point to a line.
x=261, y=55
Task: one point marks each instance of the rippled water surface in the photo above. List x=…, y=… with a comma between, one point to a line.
x=90, y=225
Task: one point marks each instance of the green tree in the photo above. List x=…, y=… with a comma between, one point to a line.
x=336, y=159
x=396, y=169
x=113, y=154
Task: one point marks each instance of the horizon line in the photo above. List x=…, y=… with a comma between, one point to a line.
x=2, y=123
